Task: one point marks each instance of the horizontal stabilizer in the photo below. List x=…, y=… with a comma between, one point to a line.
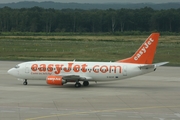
x=146, y=66
x=161, y=63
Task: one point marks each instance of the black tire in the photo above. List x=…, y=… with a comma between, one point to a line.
x=77, y=85
x=86, y=83
x=25, y=83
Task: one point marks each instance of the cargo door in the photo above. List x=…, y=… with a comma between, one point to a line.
x=27, y=68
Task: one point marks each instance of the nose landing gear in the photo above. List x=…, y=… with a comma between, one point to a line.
x=25, y=82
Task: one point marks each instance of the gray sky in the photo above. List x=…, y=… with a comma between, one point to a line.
x=97, y=1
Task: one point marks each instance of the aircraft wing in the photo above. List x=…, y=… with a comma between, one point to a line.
x=72, y=78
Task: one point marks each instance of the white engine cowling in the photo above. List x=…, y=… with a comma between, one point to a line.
x=55, y=80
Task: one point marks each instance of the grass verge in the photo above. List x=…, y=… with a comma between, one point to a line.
x=84, y=48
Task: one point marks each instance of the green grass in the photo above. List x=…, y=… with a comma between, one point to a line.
x=84, y=48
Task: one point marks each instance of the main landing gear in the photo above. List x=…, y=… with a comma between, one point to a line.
x=78, y=84
x=25, y=82
x=86, y=83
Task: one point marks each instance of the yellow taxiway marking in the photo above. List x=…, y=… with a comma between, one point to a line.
x=99, y=111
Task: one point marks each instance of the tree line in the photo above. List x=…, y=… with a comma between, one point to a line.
x=38, y=19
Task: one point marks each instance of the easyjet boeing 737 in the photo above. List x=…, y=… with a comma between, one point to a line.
x=62, y=72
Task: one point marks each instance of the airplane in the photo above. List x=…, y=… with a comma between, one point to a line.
x=62, y=72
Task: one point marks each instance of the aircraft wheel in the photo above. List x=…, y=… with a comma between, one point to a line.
x=77, y=85
x=86, y=83
x=25, y=82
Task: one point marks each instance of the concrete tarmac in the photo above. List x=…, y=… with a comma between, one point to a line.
x=154, y=96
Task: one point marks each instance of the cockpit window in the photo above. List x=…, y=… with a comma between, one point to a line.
x=17, y=66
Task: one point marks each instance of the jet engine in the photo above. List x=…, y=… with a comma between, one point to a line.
x=55, y=80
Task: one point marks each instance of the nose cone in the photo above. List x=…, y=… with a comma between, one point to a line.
x=13, y=72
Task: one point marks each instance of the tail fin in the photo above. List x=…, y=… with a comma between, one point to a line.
x=145, y=54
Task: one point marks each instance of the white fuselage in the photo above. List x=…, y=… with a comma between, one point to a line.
x=91, y=71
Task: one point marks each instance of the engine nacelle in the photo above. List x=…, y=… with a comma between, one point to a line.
x=55, y=80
